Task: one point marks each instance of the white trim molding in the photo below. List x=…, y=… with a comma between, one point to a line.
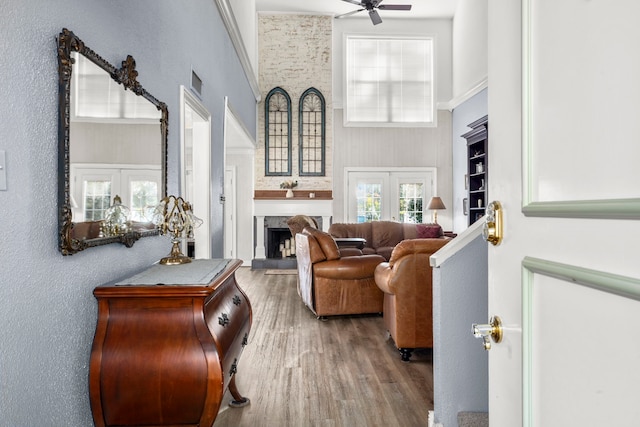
x=310, y=207
x=626, y=287
x=461, y=99
x=457, y=244
x=621, y=208
x=230, y=23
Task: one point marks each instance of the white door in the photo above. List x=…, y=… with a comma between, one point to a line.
x=563, y=135
x=196, y=167
x=239, y=155
x=230, y=212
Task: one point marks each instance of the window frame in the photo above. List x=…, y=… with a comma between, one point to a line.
x=267, y=102
x=347, y=122
x=301, y=140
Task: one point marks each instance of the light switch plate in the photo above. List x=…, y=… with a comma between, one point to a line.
x=3, y=171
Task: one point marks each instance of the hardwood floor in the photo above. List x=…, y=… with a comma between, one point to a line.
x=299, y=371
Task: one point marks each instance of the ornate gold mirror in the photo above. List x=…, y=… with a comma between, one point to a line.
x=112, y=150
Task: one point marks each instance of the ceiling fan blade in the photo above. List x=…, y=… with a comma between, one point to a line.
x=357, y=3
x=375, y=18
x=395, y=7
x=348, y=13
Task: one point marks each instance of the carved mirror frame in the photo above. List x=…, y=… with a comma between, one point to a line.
x=127, y=75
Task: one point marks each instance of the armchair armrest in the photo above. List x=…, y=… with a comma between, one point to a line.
x=345, y=252
x=355, y=267
x=382, y=276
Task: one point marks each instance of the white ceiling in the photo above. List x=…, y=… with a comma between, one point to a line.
x=420, y=8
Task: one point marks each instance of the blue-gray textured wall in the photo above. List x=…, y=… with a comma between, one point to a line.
x=460, y=363
x=47, y=309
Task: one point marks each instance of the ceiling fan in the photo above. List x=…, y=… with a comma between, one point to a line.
x=371, y=6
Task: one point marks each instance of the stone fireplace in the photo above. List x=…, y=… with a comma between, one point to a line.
x=271, y=228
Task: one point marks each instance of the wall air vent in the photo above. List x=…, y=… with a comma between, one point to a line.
x=196, y=84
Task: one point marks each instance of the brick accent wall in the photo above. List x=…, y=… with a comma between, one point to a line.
x=294, y=54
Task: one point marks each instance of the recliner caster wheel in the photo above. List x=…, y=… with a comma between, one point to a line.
x=239, y=403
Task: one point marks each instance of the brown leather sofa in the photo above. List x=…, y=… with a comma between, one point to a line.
x=406, y=280
x=382, y=236
x=331, y=284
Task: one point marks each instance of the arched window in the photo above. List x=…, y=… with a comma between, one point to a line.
x=311, y=133
x=277, y=133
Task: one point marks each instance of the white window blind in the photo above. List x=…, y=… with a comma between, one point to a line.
x=389, y=81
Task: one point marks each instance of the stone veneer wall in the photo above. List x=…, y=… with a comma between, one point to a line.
x=295, y=54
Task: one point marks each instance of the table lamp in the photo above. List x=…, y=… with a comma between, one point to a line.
x=174, y=216
x=435, y=204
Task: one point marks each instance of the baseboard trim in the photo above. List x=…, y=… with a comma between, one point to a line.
x=432, y=422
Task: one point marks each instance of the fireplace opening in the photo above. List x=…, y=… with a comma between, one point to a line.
x=280, y=244
x=274, y=232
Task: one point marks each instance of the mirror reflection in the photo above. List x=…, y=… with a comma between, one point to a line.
x=114, y=146
x=113, y=150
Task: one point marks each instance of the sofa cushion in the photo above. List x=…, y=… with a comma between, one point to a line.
x=386, y=233
x=326, y=242
x=385, y=251
x=361, y=230
x=409, y=231
x=428, y=231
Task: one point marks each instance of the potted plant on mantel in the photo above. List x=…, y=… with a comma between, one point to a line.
x=289, y=185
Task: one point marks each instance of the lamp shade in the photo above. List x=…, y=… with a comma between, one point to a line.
x=436, y=203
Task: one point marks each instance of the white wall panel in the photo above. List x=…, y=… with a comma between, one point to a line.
x=569, y=73
x=582, y=341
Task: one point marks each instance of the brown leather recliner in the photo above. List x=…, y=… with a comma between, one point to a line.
x=406, y=281
x=331, y=284
x=297, y=223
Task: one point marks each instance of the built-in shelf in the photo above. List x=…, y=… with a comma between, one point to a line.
x=477, y=163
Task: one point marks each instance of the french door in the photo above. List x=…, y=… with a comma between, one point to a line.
x=389, y=195
x=94, y=186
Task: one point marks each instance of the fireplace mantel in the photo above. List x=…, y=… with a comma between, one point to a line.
x=288, y=207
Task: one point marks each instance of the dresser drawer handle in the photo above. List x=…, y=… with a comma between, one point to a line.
x=223, y=320
x=236, y=300
x=234, y=367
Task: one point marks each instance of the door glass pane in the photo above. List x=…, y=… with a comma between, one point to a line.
x=369, y=202
x=410, y=202
x=144, y=197
x=97, y=198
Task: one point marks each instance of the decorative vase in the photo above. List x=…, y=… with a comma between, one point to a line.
x=289, y=193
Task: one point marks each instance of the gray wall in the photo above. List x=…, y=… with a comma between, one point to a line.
x=393, y=147
x=460, y=363
x=47, y=310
